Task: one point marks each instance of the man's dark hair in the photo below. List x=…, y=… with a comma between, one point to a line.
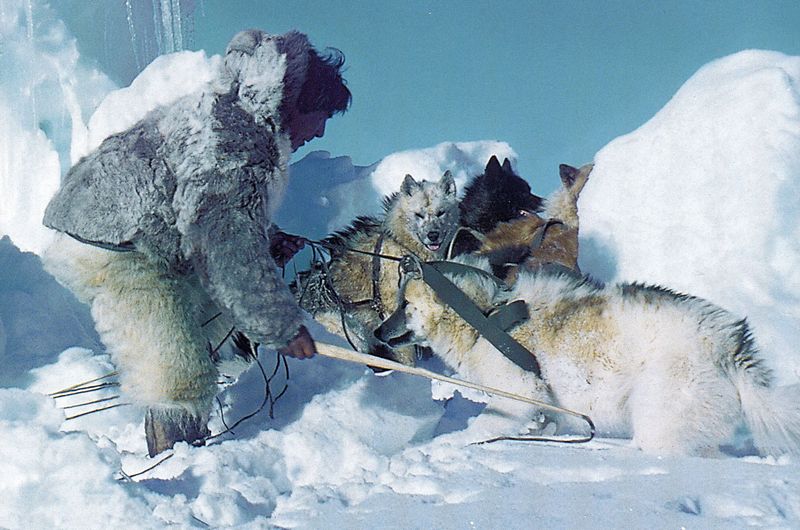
x=324, y=89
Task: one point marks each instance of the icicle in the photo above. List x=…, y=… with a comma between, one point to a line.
x=177, y=29
x=166, y=26
x=72, y=108
x=132, y=30
x=6, y=182
x=29, y=15
x=157, y=25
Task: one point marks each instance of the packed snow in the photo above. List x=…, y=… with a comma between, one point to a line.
x=702, y=198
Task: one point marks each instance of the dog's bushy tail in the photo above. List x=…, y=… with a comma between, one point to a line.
x=772, y=414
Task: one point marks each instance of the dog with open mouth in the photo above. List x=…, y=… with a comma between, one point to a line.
x=356, y=292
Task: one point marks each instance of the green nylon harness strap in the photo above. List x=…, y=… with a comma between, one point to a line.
x=489, y=329
x=509, y=315
x=505, y=316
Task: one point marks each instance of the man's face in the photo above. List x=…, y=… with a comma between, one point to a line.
x=305, y=127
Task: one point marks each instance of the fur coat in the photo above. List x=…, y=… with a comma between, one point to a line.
x=194, y=185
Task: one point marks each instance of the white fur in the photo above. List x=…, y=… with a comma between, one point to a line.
x=674, y=372
x=562, y=205
x=150, y=320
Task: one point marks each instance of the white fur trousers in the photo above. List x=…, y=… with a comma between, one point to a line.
x=153, y=322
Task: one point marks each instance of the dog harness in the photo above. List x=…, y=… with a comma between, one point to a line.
x=492, y=327
x=377, y=300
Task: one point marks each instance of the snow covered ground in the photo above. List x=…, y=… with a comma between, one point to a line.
x=702, y=198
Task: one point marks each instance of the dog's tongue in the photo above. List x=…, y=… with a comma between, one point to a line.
x=433, y=246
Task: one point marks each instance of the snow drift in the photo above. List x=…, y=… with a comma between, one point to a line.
x=45, y=90
x=703, y=198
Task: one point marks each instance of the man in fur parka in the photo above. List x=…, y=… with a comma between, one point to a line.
x=165, y=229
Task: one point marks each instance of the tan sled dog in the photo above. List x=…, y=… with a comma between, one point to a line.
x=675, y=372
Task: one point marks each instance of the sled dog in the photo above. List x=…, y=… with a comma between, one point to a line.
x=533, y=241
x=497, y=195
x=676, y=373
x=361, y=290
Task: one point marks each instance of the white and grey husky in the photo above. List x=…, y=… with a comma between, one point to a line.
x=421, y=219
x=675, y=372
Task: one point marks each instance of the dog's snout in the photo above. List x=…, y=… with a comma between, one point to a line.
x=433, y=235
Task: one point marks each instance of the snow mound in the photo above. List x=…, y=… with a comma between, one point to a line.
x=46, y=472
x=340, y=191
x=463, y=159
x=703, y=198
x=332, y=188
x=38, y=317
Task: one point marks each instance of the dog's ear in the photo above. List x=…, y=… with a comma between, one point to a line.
x=448, y=183
x=507, y=166
x=408, y=185
x=568, y=175
x=493, y=169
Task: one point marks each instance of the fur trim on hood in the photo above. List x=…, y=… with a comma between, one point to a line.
x=266, y=70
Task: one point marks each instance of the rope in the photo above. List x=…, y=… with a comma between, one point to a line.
x=81, y=386
x=340, y=305
x=268, y=396
x=331, y=246
x=377, y=299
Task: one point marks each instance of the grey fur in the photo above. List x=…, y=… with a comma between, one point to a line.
x=194, y=184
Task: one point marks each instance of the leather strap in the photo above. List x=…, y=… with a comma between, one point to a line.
x=537, y=241
x=377, y=301
x=489, y=329
x=127, y=246
x=509, y=315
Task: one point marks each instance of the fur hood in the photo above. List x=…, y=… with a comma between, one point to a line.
x=265, y=70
